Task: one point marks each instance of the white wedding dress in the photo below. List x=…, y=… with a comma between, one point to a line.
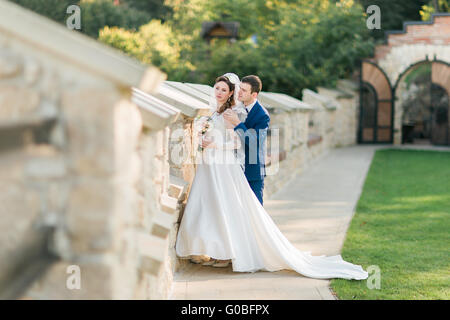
x=223, y=219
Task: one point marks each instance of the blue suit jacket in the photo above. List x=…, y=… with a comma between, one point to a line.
x=253, y=133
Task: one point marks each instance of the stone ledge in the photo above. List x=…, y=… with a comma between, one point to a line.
x=189, y=106
x=168, y=203
x=271, y=103
x=197, y=94
x=155, y=113
x=152, y=253
x=292, y=102
x=177, y=188
x=200, y=87
x=162, y=224
x=318, y=100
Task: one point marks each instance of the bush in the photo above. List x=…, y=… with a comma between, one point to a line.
x=53, y=9
x=96, y=14
x=154, y=43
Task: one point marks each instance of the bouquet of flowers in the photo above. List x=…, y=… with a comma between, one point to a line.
x=206, y=125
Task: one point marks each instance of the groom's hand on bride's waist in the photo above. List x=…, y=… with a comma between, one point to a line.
x=231, y=117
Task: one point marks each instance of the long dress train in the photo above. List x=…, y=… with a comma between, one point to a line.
x=223, y=219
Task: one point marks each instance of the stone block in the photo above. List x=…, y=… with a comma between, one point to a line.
x=48, y=167
x=162, y=224
x=152, y=251
x=14, y=108
x=97, y=281
x=127, y=128
x=20, y=210
x=89, y=117
x=168, y=204
x=10, y=64
x=91, y=216
x=177, y=188
x=32, y=71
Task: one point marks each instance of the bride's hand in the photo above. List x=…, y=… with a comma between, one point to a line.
x=229, y=125
x=231, y=117
x=207, y=143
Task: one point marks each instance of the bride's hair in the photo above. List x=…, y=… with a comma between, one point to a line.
x=230, y=102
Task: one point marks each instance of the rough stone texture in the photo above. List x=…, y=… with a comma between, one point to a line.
x=10, y=64
x=13, y=108
x=83, y=181
x=401, y=57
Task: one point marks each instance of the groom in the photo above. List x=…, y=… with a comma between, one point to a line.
x=252, y=132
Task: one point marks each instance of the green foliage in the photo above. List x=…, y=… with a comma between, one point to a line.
x=53, y=9
x=96, y=14
x=303, y=44
x=152, y=44
x=315, y=47
x=155, y=8
x=429, y=9
x=421, y=73
x=299, y=43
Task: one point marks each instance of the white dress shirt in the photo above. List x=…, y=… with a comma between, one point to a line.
x=250, y=106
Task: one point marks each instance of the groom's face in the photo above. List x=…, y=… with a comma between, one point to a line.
x=245, y=93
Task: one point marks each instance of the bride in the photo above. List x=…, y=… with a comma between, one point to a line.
x=224, y=220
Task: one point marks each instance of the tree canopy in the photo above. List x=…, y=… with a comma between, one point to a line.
x=290, y=44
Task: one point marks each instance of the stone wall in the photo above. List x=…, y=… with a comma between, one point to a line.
x=69, y=164
x=79, y=181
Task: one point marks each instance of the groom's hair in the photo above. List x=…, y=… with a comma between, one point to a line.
x=254, y=82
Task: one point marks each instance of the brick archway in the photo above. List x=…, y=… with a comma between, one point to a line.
x=375, y=123
x=440, y=74
x=402, y=51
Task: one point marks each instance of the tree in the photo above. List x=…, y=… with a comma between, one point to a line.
x=432, y=7
x=290, y=44
x=95, y=14
x=305, y=45
x=154, y=8
x=53, y=9
x=154, y=43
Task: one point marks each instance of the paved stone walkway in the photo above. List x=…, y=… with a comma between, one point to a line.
x=313, y=211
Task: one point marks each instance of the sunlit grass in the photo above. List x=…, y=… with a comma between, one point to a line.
x=402, y=225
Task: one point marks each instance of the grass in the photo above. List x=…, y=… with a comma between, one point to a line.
x=402, y=225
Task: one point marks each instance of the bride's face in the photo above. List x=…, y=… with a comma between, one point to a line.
x=222, y=92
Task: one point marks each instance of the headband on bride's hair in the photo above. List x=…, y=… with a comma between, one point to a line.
x=232, y=77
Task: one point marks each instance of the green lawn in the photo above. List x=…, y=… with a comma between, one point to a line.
x=402, y=225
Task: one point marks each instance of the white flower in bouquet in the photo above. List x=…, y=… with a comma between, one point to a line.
x=204, y=125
